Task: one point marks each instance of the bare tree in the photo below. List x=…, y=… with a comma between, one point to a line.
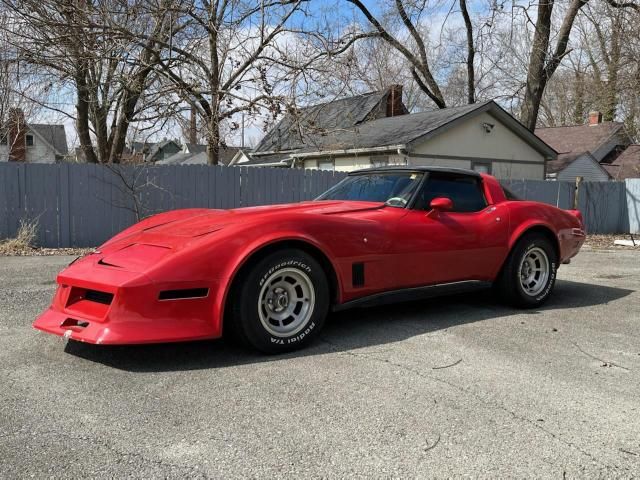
x=221, y=59
x=80, y=44
x=545, y=58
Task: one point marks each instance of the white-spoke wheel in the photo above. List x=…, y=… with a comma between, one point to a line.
x=286, y=302
x=534, y=271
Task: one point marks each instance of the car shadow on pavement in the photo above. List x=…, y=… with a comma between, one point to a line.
x=346, y=330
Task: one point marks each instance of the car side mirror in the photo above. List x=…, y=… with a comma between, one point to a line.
x=439, y=204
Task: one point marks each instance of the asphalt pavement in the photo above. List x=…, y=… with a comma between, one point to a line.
x=449, y=387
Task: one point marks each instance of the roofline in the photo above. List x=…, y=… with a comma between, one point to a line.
x=505, y=117
x=490, y=106
x=281, y=163
x=349, y=151
x=580, y=125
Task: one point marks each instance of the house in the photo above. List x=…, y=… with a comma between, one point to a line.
x=194, y=154
x=376, y=129
x=150, y=151
x=625, y=165
x=585, y=150
x=30, y=142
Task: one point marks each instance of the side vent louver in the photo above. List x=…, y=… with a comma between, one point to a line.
x=357, y=274
x=183, y=294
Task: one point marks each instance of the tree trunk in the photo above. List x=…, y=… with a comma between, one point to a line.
x=213, y=140
x=578, y=102
x=471, y=53
x=536, y=78
x=82, y=108
x=613, y=65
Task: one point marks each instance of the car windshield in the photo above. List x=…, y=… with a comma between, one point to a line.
x=394, y=188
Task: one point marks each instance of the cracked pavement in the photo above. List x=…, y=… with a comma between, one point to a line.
x=450, y=387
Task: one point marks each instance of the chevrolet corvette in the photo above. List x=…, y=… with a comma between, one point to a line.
x=269, y=275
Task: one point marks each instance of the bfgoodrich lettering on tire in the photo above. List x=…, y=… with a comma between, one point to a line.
x=281, y=302
x=529, y=274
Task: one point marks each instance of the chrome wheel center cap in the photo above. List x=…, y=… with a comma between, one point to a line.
x=279, y=300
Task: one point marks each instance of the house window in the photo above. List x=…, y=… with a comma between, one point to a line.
x=380, y=161
x=481, y=167
x=325, y=165
x=29, y=140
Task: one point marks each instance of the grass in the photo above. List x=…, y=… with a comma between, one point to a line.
x=24, y=241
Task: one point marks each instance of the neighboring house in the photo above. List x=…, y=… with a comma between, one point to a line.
x=375, y=129
x=31, y=143
x=151, y=152
x=585, y=150
x=193, y=154
x=626, y=165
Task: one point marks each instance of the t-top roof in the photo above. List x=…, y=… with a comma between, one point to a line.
x=408, y=169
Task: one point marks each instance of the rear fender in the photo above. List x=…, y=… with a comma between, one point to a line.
x=525, y=227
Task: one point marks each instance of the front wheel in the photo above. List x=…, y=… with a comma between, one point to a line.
x=281, y=302
x=529, y=274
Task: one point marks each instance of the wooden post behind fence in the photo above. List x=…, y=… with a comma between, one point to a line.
x=576, y=193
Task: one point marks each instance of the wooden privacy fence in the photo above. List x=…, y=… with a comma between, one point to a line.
x=83, y=205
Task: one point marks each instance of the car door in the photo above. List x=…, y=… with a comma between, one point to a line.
x=467, y=243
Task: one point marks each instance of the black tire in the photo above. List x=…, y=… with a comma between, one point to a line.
x=268, y=286
x=512, y=284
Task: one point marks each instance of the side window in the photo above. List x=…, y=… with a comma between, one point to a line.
x=481, y=167
x=325, y=165
x=464, y=191
x=380, y=160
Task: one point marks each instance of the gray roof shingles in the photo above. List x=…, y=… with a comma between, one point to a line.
x=314, y=122
x=626, y=165
x=199, y=157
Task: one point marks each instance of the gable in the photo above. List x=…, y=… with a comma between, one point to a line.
x=469, y=138
x=584, y=166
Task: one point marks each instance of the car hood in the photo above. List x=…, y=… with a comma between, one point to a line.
x=148, y=242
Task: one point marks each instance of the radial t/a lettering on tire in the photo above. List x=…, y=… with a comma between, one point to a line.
x=281, y=302
x=529, y=274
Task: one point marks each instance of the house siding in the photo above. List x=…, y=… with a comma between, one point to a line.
x=585, y=167
x=510, y=157
x=40, y=152
x=356, y=162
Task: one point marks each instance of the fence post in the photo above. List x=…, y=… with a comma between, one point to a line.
x=577, y=193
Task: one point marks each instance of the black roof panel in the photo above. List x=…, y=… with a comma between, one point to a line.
x=403, y=168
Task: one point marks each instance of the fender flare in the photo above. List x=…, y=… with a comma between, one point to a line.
x=254, y=248
x=527, y=227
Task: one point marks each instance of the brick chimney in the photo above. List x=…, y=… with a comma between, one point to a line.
x=395, y=106
x=16, y=132
x=595, y=118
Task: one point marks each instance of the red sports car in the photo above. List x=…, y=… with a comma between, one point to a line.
x=269, y=275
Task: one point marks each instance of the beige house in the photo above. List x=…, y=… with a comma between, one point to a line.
x=31, y=143
x=378, y=131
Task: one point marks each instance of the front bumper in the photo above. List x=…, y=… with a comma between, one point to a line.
x=102, y=305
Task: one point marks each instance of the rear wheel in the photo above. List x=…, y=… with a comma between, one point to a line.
x=529, y=274
x=281, y=302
